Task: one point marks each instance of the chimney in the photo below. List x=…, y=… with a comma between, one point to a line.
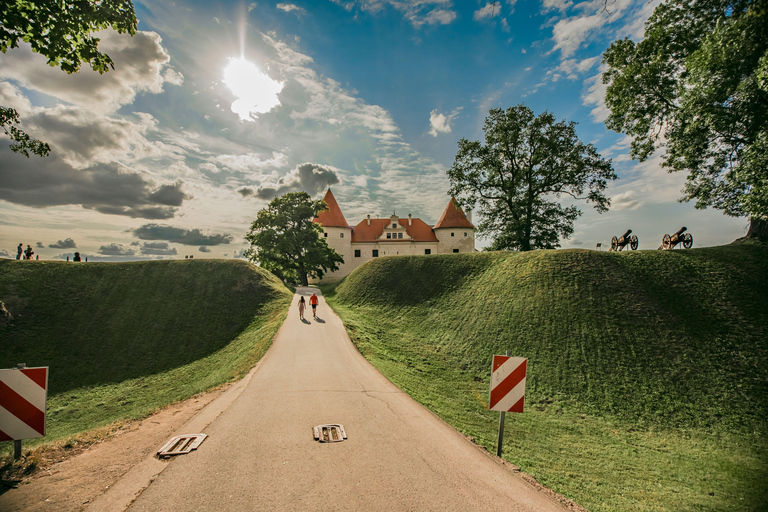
x=410, y=220
x=369, y=219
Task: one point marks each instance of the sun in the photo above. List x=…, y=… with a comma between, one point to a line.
x=255, y=91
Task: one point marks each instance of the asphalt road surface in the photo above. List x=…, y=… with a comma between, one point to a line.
x=261, y=453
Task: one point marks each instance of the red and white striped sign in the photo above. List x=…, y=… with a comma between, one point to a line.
x=22, y=403
x=508, y=384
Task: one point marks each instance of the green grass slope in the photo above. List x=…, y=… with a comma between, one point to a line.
x=123, y=339
x=647, y=382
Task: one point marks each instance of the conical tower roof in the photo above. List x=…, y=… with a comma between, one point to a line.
x=453, y=217
x=332, y=217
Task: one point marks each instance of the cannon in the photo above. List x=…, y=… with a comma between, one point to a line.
x=678, y=237
x=620, y=243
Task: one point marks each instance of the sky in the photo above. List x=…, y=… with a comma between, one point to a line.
x=216, y=107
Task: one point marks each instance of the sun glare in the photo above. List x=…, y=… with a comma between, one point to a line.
x=255, y=91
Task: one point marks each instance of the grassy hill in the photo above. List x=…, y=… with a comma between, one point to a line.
x=123, y=339
x=647, y=379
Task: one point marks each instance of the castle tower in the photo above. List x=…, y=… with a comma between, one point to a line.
x=336, y=231
x=454, y=231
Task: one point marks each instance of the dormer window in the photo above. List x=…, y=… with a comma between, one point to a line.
x=389, y=235
x=394, y=226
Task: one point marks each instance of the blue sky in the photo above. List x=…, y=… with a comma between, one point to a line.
x=215, y=107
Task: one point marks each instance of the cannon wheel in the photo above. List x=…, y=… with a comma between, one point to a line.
x=666, y=242
x=614, y=243
x=687, y=240
x=633, y=242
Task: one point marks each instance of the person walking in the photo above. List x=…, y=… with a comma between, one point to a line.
x=302, y=305
x=19, y=250
x=313, y=303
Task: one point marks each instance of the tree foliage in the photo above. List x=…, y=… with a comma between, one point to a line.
x=60, y=30
x=285, y=241
x=23, y=143
x=516, y=178
x=697, y=86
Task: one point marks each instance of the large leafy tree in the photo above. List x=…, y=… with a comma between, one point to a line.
x=697, y=86
x=285, y=241
x=61, y=30
x=518, y=175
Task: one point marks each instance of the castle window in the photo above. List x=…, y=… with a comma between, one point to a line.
x=325, y=235
x=451, y=234
x=375, y=253
x=399, y=235
x=341, y=235
x=427, y=251
x=357, y=253
x=455, y=250
x=394, y=226
x=389, y=235
x=465, y=233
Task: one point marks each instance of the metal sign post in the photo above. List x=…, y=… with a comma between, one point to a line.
x=501, y=434
x=507, y=389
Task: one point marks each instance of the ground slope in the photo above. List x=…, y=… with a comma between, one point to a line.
x=668, y=344
x=122, y=339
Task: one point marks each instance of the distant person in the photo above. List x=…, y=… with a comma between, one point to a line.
x=302, y=305
x=76, y=257
x=313, y=303
x=19, y=251
x=29, y=252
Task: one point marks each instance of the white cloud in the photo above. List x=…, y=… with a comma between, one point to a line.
x=83, y=139
x=570, y=33
x=440, y=123
x=572, y=66
x=139, y=64
x=173, y=77
x=248, y=162
x=418, y=12
x=291, y=7
x=487, y=11
x=558, y=5
x=625, y=201
x=596, y=96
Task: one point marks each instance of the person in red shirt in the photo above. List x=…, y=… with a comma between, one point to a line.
x=313, y=303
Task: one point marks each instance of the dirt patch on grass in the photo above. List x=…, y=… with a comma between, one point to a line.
x=71, y=474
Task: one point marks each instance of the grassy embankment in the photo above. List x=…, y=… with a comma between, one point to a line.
x=647, y=382
x=124, y=339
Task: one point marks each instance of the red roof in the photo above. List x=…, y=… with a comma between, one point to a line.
x=453, y=217
x=419, y=231
x=332, y=217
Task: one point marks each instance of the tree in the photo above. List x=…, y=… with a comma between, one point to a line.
x=697, y=86
x=61, y=31
x=285, y=241
x=525, y=164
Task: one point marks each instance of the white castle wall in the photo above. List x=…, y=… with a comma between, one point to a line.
x=340, y=239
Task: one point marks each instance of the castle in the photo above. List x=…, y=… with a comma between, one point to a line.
x=373, y=238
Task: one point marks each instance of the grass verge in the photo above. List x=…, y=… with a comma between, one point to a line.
x=647, y=371
x=125, y=339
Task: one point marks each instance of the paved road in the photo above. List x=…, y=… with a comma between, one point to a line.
x=261, y=454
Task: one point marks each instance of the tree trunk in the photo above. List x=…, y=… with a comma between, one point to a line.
x=758, y=228
x=303, y=276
